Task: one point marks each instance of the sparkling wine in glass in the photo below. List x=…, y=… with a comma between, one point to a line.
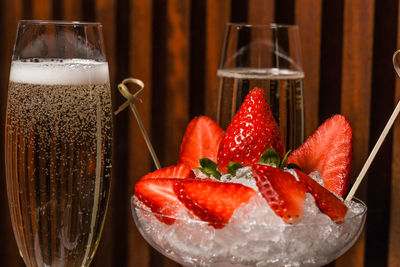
x=58, y=141
x=268, y=57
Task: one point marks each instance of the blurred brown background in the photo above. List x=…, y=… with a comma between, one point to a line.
x=174, y=45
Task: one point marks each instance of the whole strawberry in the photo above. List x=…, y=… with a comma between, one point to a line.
x=252, y=131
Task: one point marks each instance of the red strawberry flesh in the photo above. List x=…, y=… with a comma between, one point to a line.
x=284, y=194
x=252, y=131
x=326, y=201
x=159, y=196
x=328, y=151
x=178, y=171
x=201, y=140
x=212, y=202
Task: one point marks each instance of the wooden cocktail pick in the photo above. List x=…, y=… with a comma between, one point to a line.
x=130, y=101
x=378, y=144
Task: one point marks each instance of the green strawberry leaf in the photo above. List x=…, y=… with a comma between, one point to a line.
x=209, y=168
x=283, y=161
x=208, y=163
x=233, y=167
x=270, y=156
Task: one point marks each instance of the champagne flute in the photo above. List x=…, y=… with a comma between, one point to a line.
x=268, y=57
x=58, y=141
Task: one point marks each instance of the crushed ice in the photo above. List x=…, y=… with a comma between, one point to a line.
x=255, y=235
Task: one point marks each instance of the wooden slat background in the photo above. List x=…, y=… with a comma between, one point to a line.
x=174, y=46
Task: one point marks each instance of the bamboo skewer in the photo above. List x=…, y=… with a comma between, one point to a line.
x=130, y=101
x=373, y=152
x=381, y=138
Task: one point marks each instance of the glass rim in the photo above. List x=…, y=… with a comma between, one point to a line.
x=270, y=25
x=196, y=220
x=59, y=22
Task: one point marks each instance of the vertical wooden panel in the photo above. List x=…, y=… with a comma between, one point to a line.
x=394, y=230
x=177, y=77
x=394, y=233
x=11, y=12
x=356, y=93
x=394, y=236
x=261, y=11
x=42, y=9
x=140, y=67
x=379, y=176
x=239, y=11
x=331, y=59
x=217, y=15
x=177, y=81
x=197, y=58
x=58, y=10
x=308, y=17
x=158, y=105
x=105, y=13
x=89, y=10
x=72, y=10
x=356, y=66
x=121, y=193
x=284, y=11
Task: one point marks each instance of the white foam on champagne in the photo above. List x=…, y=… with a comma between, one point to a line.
x=57, y=72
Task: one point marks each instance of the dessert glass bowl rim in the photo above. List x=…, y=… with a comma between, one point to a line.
x=147, y=210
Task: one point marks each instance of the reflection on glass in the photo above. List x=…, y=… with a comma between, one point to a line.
x=268, y=57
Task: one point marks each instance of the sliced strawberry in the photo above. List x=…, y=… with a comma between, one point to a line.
x=211, y=201
x=284, y=194
x=178, y=171
x=329, y=151
x=252, y=131
x=159, y=196
x=201, y=140
x=326, y=201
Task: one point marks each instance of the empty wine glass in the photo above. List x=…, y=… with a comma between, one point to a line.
x=268, y=57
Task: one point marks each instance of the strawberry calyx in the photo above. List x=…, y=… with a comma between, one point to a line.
x=233, y=167
x=270, y=157
x=209, y=168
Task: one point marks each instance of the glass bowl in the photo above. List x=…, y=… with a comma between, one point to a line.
x=250, y=241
